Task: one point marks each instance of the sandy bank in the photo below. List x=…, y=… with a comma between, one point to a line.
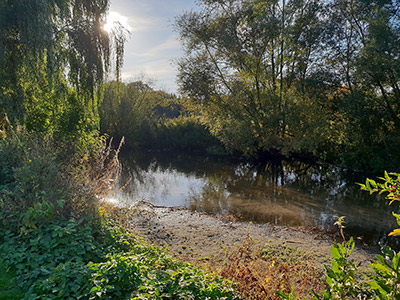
x=200, y=238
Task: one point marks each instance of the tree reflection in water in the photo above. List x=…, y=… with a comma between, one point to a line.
x=283, y=193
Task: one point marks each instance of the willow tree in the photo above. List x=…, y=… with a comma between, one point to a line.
x=246, y=67
x=54, y=55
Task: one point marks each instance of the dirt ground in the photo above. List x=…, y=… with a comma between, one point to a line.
x=199, y=238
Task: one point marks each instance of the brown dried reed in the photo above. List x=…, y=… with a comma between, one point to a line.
x=261, y=273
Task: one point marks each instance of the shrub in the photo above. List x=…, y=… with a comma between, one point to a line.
x=67, y=259
x=42, y=177
x=184, y=133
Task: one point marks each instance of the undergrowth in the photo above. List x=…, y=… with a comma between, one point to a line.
x=275, y=267
x=57, y=243
x=43, y=178
x=9, y=289
x=343, y=279
x=73, y=259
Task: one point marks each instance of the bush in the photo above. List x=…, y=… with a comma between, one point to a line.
x=184, y=133
x=42, y=177
x=74, y=259
x=52, y=238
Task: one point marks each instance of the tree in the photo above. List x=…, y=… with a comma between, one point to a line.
x=364, y=47
x=127, y=110
x=53, y=58
x=247, y=65
x=315, y=78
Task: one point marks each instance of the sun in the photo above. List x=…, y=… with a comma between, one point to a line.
x=114, y=17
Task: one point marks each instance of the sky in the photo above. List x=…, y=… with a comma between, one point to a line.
x=153, y=44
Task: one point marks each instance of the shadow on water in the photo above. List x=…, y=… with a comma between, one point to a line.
x=283, y=193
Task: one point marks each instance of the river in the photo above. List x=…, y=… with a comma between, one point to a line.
x=284, y=193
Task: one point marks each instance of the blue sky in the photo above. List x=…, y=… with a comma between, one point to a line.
x=153, y=44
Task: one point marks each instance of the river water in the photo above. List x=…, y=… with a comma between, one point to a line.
x=285, y=193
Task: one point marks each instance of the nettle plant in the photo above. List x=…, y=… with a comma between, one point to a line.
x=342, y=279
x=386, y=281
x=391, y=186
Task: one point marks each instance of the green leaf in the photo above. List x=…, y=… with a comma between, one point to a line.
x=380, y=268
x=335, y=266
x=330, y=273
x=60, y=203
x=372, y=183
x=350, y=246
x=282, y=295
x=335, y=252
x=396, y=263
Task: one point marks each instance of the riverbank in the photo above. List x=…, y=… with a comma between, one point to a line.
x=216, y=243
x=193, y=236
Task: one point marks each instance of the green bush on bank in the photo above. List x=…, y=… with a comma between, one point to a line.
x=70, y=258
x=43, y=178
x=185, y=133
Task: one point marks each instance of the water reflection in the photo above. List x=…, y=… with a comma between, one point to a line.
x=293, y=194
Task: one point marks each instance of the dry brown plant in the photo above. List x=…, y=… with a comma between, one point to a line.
x=105, y=173
x=261, y=273
x=95, y=176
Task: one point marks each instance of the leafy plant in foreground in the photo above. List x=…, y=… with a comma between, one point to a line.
x=70, y=259
x=341, y=278
x=386, y=281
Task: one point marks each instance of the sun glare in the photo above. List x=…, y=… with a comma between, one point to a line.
x=114, y=17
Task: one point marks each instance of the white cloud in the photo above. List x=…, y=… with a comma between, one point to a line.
x=161, y=71
x=114, y=17
x=145, y=24
x=163, y=49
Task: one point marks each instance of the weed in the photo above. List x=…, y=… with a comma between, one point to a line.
x=73, y=259
x=260, y=273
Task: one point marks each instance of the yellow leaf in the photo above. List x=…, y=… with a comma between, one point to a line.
x=395, y=232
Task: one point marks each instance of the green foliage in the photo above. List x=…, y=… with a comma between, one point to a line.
x=127, y=110
x=342, y=279
x=287, y=296
x=43, y=177
x=30, y=172
x=75, y=259
x=185, y=133
x=151, y=119
x=58, y=247
x=9, y=290
x=245, y=70
x=390, y=187
x=386, y=282
x=314, y=78
x=53, y=58
x=49, y=184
